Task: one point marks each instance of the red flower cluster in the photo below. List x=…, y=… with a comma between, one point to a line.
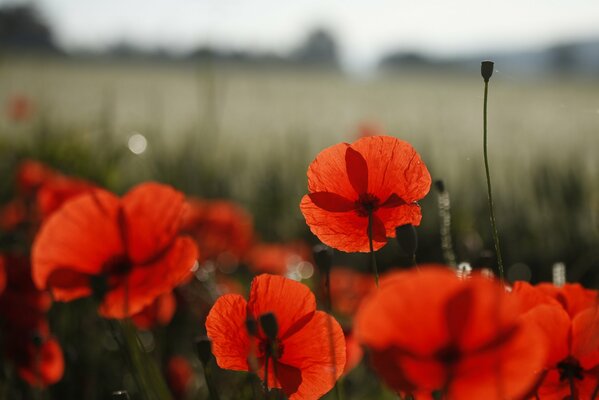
x=371, y=184
x=27, y=341
x=128, y=251
x=429, y=330
x=309, y=349
x=40, y=191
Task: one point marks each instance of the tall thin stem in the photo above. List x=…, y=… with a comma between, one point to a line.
x=373, y=265
x=489, y=191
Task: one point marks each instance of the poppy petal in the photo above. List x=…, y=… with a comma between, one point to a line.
x=344, y=231
x=153, y=215
x=292, y=302
x=393, y=217
x=140, y=288
x=332, y=202
x=328, y=172
x=80, y=236
x=309, y=350
x=554, y=323
x=357, y=170
x=393, y=167
x=503, y=372
x=225, y=326
x=51, y=364
x=585, y=337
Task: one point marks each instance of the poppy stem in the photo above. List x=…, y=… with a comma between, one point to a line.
x=572, y=386
x=266, y=357
x=373, y=265
x=485, y=69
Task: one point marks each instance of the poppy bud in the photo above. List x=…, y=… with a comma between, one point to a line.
x=440, y=186
x=486, y=70
x=269, y=325
x=204, y=349
x=251, y=326
x=323, y=256
x=120, y=395
x=407, y=239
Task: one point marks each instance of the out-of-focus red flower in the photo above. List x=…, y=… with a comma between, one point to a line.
x=378, y=178
x=353, y=353
x=129, y=250
x=19, y=108
x=223, y=231
x=370, y=128
x=27, y=341
x=13, y=214
x=22, y=305
x=31, y=175
x=568, y=318
x=306, y=366
x=278, y=258
x=2, y=275
x=41, y=191
x=159, y=313
x=227, y=285
x=179, y=376
x=348, y=288
x=429, y=330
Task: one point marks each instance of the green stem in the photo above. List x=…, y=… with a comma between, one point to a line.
x=266, y=357
x=373, y=265
x=210, y=383
x=489, y=191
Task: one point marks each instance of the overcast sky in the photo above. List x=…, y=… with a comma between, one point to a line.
x=365, y=29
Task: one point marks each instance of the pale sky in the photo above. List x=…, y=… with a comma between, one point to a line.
x=365, y=29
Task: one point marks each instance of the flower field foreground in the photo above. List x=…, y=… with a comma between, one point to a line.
x=160, y=294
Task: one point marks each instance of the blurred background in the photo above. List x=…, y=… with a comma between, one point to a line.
x=233, y=99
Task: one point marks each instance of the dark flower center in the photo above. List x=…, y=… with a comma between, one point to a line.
x=276, y=348
x=448, y=355
x=367, y=204
x=569, y=368
x=117, y=265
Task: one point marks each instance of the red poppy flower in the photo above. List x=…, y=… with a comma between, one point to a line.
x=20, y=108
x=223, y=231
x=13, y=214
x=348, y=288
x=57, y=190
x=179, y=376
x=304, y=366
x=30, y=176
x=128, y=249
x=429, y=330
x=38, y=364
x=377, y=178
x=278, y=258
x=572, y=296
x=572, y=366
x=160, y=312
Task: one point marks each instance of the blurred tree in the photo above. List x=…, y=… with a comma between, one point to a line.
x=319, y=48
x=22, y=28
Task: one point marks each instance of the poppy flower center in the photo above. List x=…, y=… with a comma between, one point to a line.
x=569, y=368
x=366, y=204
x=449, y=355
x=117, y=265
x=276, y=349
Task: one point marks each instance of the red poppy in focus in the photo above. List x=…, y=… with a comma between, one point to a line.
x=27, y=341
x=348, y=288
x=572, y=366
x=128, y=251
x=159, y=313
x=179, y=376
x=429, y=330
x=374, y=181
x=303, y=365
x=223, y=231
x=19, y=108
x=278, y=258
